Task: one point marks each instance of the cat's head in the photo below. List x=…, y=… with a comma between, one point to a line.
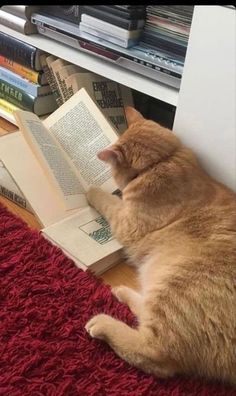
x=145, y=143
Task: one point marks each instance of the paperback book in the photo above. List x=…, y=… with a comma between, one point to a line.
x=57, y=165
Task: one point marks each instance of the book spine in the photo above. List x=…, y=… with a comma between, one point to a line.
x=50, y=77
x=62, y=84
x=14, y=197
x=9, y=188
x=23, y=71
x=17, y=50
x=55, y=67
x=18, y=82
x=54, y=86
x=16, y=96
x=7, y=106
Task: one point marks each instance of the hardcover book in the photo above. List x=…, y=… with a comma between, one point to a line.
x=37, y=77
x=22, y=83
x=20, y=52
x=39, y=105
x=57, y=165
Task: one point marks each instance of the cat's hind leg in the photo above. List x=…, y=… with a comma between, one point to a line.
x=130, y=297
x=132, y=345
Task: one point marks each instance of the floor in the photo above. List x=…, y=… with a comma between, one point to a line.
x=120, y=274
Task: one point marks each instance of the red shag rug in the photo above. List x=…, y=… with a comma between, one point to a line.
x=45, y=302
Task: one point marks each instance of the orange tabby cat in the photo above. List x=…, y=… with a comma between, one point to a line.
x=178, y=226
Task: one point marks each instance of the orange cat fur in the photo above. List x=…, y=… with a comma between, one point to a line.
x=178, y=226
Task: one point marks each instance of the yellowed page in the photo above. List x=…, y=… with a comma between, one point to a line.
x=58, y=168
x=82, y=131
x=31, y=179
x=109, y=96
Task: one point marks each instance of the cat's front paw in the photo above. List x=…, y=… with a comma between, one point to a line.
x=92, y=195
x=99, y=325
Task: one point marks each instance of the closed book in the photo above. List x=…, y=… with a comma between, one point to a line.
x=22, y=11
x=37, y=77
x=16, y=23
x=22, y=83
x=39, y=105
x=129, y=24
x=20, y=52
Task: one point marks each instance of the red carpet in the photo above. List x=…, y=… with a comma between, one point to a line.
x=45, y=302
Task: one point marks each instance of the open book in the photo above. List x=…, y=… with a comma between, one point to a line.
x=54, y=162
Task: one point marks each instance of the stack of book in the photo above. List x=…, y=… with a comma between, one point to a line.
x=167, y=28
x=57, y=165
x=119, y=24
x=17, y=17
x=23, y=84
x=66, y=79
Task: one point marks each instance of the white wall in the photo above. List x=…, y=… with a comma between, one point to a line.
x=206, y=111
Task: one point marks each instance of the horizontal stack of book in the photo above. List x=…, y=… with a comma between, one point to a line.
x=18, y=18
x=23, y=84
x=119, y=24
x=167, y=29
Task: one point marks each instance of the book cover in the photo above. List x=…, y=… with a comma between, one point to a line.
x=22, y=83
x=36, y=77
x=20, y=52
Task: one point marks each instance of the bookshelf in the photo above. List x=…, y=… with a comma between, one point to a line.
x=205, y=117
x=100, y=66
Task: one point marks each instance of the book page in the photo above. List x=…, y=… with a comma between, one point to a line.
x=109, y=96
x=31, y=179
x=82, y=131
x=53, y=160
x=86, y=237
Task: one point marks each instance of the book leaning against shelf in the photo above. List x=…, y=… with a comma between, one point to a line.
x=58, y=164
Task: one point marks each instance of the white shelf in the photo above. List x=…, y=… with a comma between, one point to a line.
x=100, y=66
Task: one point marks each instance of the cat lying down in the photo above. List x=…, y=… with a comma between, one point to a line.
x=178, y=226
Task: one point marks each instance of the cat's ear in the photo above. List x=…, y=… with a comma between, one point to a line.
x=111, y=155
x=132, y=115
